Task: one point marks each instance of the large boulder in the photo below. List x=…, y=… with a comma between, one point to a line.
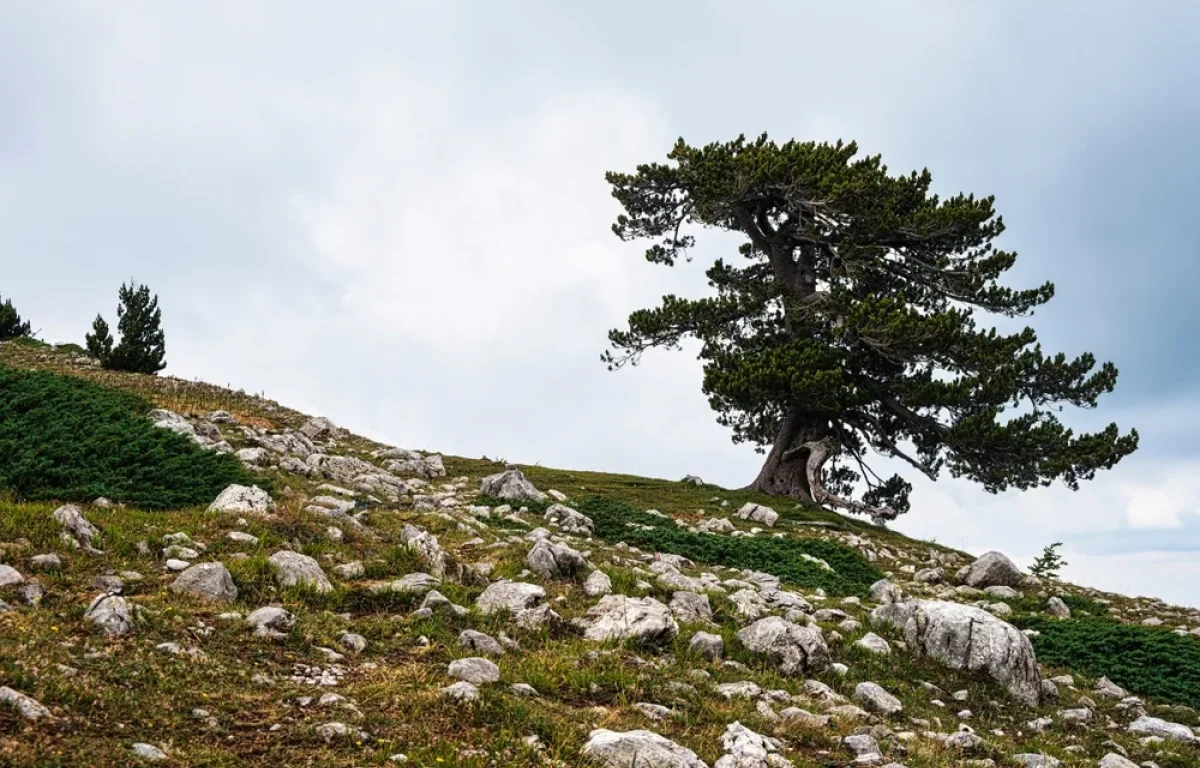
x=1153, y=726
x=795, y=649
x=992, y=569
x=293, y=568
x=555, y=561
x=242, y=499
x=638, y=749
x=510, y=485
x=965, y=637
x=758, y=513
x=618, y=617
x=208, y=580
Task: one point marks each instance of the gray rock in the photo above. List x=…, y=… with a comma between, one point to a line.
x=47, y=562
x=25, y=706
x=271, y=621
x=510, y=485
x=862, y=744
x=992, y=569
x=351, y=570
x=242, y=538
x=1056, y=607
x=596, y=584
x=76, y=526
x=253, y=457
x=462, y=691
x=707, y=645
x=569, y=520
x=618, y=617
x=757, y=513
x=511, y=596
x=293, y=569
x=475, y=670
x=876, y=699
x=1036, y=760
x=689, y=606
x=1113, y=760
x=426, y=547
x=638, y=749
x=210, y=581
x=241, y=499
x=414, y=583
x=353, y=642
x=928, y=576
x=795, y=649
x=1110, y=690
x=874, y=643
x=9, y=576
x=746, y=749
x=555, y=561
x=112, y=613
x=148, y=752
x=1153, y=726
x=884, y=592
x=480, y=643
x=968, y=638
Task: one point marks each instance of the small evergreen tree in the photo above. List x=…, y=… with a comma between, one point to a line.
x=1048, y=564
x=142, y=348
x=11, y=326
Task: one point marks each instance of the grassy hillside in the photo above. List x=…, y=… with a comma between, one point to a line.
x=194, y=681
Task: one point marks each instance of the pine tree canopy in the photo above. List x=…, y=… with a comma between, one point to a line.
x=142, y=348
x=847, y=328
x=11, y=325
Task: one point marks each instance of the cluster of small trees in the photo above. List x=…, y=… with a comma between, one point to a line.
x=142, y=344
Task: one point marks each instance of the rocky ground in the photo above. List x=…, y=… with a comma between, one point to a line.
x=384, y=606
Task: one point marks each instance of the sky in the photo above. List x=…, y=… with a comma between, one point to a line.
x=394, y=214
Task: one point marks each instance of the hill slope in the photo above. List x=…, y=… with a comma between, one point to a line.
x=739, y=642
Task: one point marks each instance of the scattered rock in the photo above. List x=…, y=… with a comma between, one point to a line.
x=511, y=596
x=877, y=699
x=555, y=561
x=1153, y=726
x=690, y=606
x=148, y=752
x=293, y=568
x=25, y=706
x=757, y=513
x=1113, y=760
x=47, y=562
x=112, y=613
x=210, y=581
x=480, y=643
x=353, y=642
x=746, y=749
x=476, y=670
x=241, y=499
x=884, y=592
x=9, y=576
x=1056, y=607
x=638, y=749
x=707, y=645
x=992, y=569
x=461, y=691
x=596, y=584
x=795, y=649
x=569, y=520
x=510, y=485
x=618, y=617
x=874, y=643
x=425, y=545
x=271, y=621
x=76, y=528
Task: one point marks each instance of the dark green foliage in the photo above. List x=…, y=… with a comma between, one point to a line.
x=851, y=575
x=1077, y=603
x=1146, y=660
x=1049, y=563
x=850, y=328
x=11, y=325
x=68, y=439
x=142, y=348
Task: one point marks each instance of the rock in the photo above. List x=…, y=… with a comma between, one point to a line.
x=963, y=741
x=414, y=583
x=9, y=576
x=618, y=617
x=25, y=706
x=425, y=545
x=476, y=670
x=555, y=561
x=511, y=596
x=968, y=638
x=351, y=570
x=884, y=592
x=928, y=576
x=210, y=581
x=992, y=570
x=353, y=642
x=795, y=649
x=1056, y=607
x=746, y=749
x=569, y=520
x=757, y=513
x=271, y=621
x=319, y=428
x=877, y=699
x=111, y=613
x=148, y=752
x=253, y=457
x=596, y=584
x=480, y=643
x=749, y=604
x=293, y=568
x=692, y=480
x=707, y=645
x=638, y=749
x=1113, y=760
x=1035, y=760
x=1153, y=726
x=862, y=745
x=47, y=562
x=1110, y=690
x=241, y=499
x=242, y=538
x=510, y=485
x=744, y=689
x=874, y=643
x=690, y=606
x=461, y=691
x=76, y=526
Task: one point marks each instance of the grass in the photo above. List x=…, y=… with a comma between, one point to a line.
x=63, y=438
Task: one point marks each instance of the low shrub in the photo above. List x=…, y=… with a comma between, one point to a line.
x=68, y=439
x=1146, y=660
x=783, y=557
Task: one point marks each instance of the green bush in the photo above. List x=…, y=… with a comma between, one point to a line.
x=68, y=439
x=783, y=557
x=1146, y=660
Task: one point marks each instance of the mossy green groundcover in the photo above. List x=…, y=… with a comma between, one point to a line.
x=68, y=439
x=1146, y=660
x=783, y=557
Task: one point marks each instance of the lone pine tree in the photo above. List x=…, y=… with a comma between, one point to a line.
x=11, y=325
x=142, y=348
x=849, y=328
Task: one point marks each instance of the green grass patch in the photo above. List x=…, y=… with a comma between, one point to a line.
x=1146, y=660
x=68, y=439
x=851, y=574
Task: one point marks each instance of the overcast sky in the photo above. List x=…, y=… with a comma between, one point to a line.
x=394, y=214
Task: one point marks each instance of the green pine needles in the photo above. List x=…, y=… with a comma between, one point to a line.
x=68, y=439
x=142, y=348
x=848, y=325
x=1049, y=563
x=11, y=325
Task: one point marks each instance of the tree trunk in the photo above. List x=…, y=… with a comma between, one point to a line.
x=785, y=472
